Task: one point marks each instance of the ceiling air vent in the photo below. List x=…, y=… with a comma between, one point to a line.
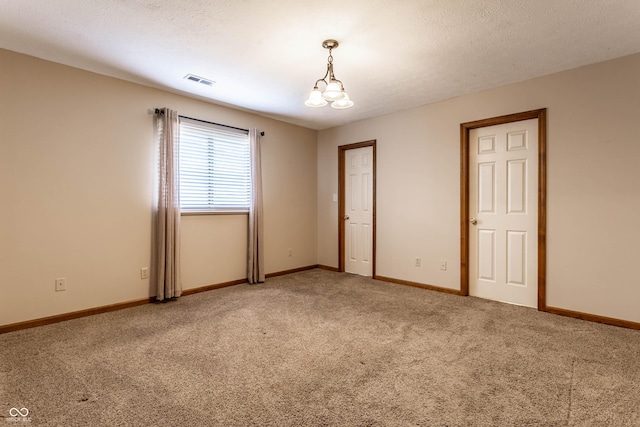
x=197, y=79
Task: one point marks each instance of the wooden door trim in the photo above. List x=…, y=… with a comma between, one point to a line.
x=341, y=203
x=541, y=115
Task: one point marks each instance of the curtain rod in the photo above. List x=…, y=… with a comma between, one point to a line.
x=159, y=111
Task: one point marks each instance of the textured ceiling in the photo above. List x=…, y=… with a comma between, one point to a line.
x=265, y=55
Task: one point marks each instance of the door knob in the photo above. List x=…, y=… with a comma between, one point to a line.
x=346, y=217
x=473, y=221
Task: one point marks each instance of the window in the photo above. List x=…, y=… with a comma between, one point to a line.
x=215, y=168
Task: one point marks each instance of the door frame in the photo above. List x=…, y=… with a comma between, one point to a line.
x=342, y=149
x=541, y=115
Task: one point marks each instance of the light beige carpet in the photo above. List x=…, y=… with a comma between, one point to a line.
x=319, y=348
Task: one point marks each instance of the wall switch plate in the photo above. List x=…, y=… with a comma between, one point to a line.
x=418, y=262
x=61, y=284
x=443, y=265
x=289, y=252
x=144, y=273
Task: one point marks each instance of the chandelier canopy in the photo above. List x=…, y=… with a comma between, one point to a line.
x=334, y=89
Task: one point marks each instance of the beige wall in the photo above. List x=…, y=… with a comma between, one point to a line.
x=593, y=185
x=77, y=180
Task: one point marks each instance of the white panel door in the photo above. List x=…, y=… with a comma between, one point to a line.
x=503, y=210
x=358, y=200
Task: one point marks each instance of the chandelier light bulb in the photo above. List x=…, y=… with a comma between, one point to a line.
x=333, y=91
x=343, y=103
x=315, y=99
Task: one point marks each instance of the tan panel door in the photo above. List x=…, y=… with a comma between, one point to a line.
x=358, y=210
x=503, y=210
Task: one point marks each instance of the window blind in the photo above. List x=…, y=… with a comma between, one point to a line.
x=215, y=169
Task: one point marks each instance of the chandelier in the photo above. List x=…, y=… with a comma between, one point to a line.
x=334, y=90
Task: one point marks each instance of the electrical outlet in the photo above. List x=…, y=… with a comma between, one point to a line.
x=61, y=284
x=418, y=262
x=443, y=265
x=144, y=273
x=290, y=252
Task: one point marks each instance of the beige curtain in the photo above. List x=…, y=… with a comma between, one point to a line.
x=167, y=215
x=255, y=268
